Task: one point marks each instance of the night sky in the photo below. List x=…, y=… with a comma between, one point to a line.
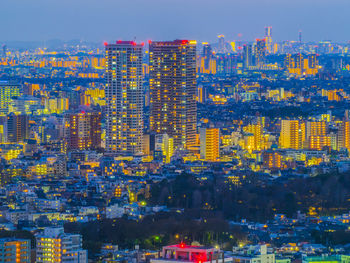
x=203, y=20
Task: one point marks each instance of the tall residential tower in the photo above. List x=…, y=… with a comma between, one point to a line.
x=124, y=98
x=173, y=90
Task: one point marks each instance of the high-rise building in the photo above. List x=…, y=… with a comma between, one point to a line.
x=344, y=135
x=207, y=62
x=14, y=250
x=268, y=38
x=4, y=50
x=173, y=90
x=124, y=98
x=316, y=128
x=260, y=52
x=53, y=245
x=292, y=134
x=7, y=92
x=83, y=130
x=256, y=141
x=247, y=56
x=209, y=144
x=222, y=44
x=207, y=54
x=298, y=64
x=316, y=135
x=17, y=127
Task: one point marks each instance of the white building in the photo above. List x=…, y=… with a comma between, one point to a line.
x=53, y=245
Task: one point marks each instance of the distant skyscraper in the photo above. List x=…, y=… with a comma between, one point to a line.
x=17, y=127
x=300, y=36
x=247, y=56
x=207, y=55
x=83, y=130
x=173, y=90
x=222, y=44
x=124, y=98
x=260, y=52
x=268, y=38
x=4, y=51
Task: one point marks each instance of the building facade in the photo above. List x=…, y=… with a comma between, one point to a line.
x=173, y=89
x=124, y=98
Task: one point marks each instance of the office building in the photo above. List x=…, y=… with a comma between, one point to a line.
x=83, y=130
x=14, y=250
x=173, y=90
x=124, y=98
x=53, y=245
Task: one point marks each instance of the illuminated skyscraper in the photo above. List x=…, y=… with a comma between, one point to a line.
x=83, y=130
x=173, y=90
x=292, y=134
x=260, y=52
x=210, y=142
x=124, y=98
x=268, y=38
x=207, y=55
x=247, y=56
x=222, y=44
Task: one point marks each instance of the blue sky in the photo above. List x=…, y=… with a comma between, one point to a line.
x=203, y=20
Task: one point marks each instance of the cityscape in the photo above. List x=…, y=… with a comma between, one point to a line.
x=232, y=150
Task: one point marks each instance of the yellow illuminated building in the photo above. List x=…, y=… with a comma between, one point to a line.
x=292, y=134
x=210, y=144
x=255, y=141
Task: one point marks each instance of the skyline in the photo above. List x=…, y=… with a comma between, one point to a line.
x=98, y=21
